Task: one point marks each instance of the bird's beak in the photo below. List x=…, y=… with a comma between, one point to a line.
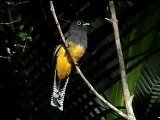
x=86, y=24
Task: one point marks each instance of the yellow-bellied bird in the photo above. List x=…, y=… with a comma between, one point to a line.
x=76, y=40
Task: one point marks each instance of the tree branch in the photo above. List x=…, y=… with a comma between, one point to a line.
x=8, y=23
x=3, y=57
x=79, y=71
x=125, y=89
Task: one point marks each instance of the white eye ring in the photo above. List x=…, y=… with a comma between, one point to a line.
x=78, y=23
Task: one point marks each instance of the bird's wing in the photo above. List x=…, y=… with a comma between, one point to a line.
x=55, y=52
x=67, y=34
x=58, y=93
x=55, y=87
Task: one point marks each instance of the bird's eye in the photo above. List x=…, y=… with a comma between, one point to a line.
x=78, y=23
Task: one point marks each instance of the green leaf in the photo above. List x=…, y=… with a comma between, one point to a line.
x=22, y=35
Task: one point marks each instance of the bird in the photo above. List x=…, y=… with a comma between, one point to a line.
x=76, y=42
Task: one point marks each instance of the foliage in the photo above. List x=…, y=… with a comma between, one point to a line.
x=145, y=36
x=147, y=91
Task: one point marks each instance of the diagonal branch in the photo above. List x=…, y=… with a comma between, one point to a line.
x=125, y=89
x=79, y=71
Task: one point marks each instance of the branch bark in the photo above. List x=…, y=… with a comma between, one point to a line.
x=79, y=71
x=125, y=89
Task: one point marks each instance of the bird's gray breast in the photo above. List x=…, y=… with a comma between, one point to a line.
x=78, y=37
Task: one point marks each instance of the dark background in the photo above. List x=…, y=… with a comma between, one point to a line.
x=26, y=77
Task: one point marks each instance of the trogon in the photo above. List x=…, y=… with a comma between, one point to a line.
x=76, y=42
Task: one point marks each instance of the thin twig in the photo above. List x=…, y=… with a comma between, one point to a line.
x=109, y=20
x=125, y=89
x=3, y=57
x=8, y=23
x=18, y=3
x=79, y=71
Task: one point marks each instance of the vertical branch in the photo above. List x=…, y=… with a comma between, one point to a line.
x=125, y=89
x=79, y=71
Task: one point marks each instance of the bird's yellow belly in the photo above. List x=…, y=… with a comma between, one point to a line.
x=63, y=62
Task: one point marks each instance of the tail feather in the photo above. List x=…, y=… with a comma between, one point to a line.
x=57, y=97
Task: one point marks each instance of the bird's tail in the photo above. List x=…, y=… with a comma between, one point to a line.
x=57, y=97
